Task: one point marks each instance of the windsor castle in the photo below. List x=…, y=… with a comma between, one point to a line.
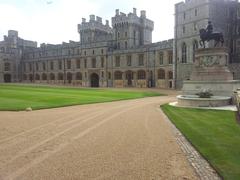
x=123, y=55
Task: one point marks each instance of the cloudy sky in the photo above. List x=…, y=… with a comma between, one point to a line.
x=55, y=21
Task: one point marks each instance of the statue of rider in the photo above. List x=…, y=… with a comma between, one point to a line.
x=209, y=28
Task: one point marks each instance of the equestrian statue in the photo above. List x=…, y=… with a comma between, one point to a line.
x=208, y=35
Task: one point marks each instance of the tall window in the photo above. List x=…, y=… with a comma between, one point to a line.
x=170, y=58
x=196, y=12
x=170, y=75
x=118, y=75
x=51, y=65
x=102, y=62
x=161, y=58
x=78, y=63
x=134, y=37
x=85, y=63
x=117, y=61
x=183, y=29
x=161, y=74
x=69, y=64
x=93, y=62
x=60, y=65
x=24, y=66
x=30, y=66
x=184, y=15
x=129, y=60
x=78, y=76
x=141, y=74
x=140, y=59
x=44, y=66
x=37, y=68
x=184, y=53
x=126, y=45
x=7, y=66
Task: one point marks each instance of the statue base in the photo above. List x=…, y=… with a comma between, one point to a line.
x=211, y=73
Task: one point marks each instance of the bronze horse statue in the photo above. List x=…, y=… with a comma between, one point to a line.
x=205, y=36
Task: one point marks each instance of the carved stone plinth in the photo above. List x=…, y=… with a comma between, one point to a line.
x=211, y=72
x=211, y=64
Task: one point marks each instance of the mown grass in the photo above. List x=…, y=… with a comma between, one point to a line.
x=215, y=134
x=19, y=97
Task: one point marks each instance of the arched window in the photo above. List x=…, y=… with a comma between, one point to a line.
x=37, y=77
x=30, y=77
x=60, y=76
x=44, y=76
x=184, y=53
x=195, y=47
x=170, y=75
x=161, y=74
x=24, y=77
x=52, y=76
x=141, y=74
x=118, y=75
x=78, y=76
x=69, y=77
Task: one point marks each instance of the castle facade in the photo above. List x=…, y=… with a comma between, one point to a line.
x=119, y=56
x=123, y=55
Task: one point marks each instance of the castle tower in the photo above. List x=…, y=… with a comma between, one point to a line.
x=131, y=31
x=94, y=30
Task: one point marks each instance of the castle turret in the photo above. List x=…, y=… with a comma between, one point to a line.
x=130, y=30
x=94, y=30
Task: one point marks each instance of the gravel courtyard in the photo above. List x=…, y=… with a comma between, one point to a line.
x=125, y=140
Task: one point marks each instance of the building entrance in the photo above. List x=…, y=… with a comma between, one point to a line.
x=7, y=78
x=129, y=77
x=94, y=80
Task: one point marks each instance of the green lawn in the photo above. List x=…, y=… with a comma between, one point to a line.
x=215, y=134
x=19, y=97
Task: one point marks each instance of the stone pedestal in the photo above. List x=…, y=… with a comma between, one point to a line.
x=211, y=72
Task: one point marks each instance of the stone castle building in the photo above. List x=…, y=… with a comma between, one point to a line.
x=123, y=55
x=119, y=56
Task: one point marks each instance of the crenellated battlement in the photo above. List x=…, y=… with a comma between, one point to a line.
x=95, y=23
x=121, y=19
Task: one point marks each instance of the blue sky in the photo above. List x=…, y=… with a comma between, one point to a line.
x=55, y=21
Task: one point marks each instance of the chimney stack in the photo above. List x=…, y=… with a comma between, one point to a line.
x=117, y=12
x=134, y=11
x=143, y=13
x=92, y=17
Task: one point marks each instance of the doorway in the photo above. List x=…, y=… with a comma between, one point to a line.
x=7, y=78
x=94, y=80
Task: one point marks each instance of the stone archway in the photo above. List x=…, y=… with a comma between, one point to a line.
x=94, y=78
x=7, y=78
x=129, y=78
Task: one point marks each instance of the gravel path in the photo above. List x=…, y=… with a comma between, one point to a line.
x=125, y=140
